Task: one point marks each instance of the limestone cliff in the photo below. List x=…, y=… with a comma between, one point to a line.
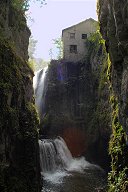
x=113, y=18
x=76, y=103
x=19, y=154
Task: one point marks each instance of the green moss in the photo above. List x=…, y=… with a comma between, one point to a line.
x=96, y=39
x=101, y=116
x=109, y=70
x=118, y=177
x=103, y=81
x=31, y=119
x=18, y=122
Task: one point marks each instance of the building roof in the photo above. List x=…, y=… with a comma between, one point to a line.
x=90, y=19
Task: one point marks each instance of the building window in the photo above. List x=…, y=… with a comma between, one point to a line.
x=73, y=48
x=72, y=35
x=84, y=36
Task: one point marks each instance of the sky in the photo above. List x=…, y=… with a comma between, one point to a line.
x=52, y=18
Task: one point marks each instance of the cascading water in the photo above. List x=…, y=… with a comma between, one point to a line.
x=61, y=172
x=54, y=155
x=39, y=85
x=58, y=167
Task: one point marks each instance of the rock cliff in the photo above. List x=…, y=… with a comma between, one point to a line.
x=76, y=103
x=113, y=19
x=19, y=154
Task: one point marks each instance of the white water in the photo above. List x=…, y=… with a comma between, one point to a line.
x=60, y=171
x=57, y=162
x=39, y=87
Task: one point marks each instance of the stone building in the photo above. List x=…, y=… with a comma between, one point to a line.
x=74, y=39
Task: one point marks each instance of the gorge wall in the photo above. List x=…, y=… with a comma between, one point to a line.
x=76, y=104
x=113, y=18
x=19, y=154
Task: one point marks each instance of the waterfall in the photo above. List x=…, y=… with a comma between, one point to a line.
x=39, y=86
x=62, y=172
x=54, y=155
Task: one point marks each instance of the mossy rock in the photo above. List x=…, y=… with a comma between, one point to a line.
x=19, y=124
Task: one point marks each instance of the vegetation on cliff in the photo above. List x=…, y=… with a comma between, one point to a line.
x=113, y=27
x=19, y=123
x=99, y=127
x=118, y=177
x=23, y=5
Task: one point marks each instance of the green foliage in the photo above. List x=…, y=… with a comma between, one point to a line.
x=103, y=81
x=101, y=115
x=96, y=39
x=109, y=70
x=23, y=5
x=31, y=64
x=59, y=45
x=32, y=47
x=35, y=64
x=94, y=44
x=118, y=177
x=118, y=183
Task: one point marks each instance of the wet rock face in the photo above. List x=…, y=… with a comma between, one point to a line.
x=19, y=153
x=75, y=106
x=113, y=17
x=65, y=104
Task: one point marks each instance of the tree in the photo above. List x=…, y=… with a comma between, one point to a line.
x=39, y=63
x=51, y=53
x=23, y=5
x=35, y=63
x=32, y=47
x=59, y=45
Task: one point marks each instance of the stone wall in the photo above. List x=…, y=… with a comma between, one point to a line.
x=86, y=27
